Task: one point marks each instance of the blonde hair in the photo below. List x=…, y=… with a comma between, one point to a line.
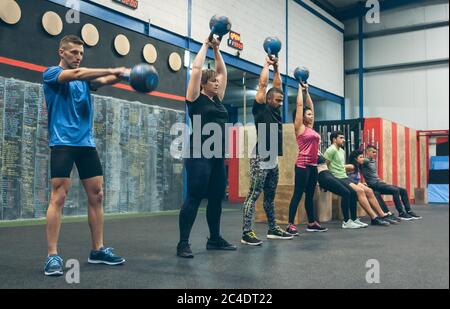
x=208, y=75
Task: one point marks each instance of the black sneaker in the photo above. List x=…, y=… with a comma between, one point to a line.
x=249, y=238
x=388, y=219
x=405, y=216
x=106, y=256
x=414, y=215
x=184, y=251
x=278, y=233
x=292, y=229
x=380, y=222
x=220, y=244
x=395, y=218
x=316, y=227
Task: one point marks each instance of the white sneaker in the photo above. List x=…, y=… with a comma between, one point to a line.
x=350, y=225
x=359, y=222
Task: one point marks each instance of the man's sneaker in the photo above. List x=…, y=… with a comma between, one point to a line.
x=316, y=227
x=380, y=222
x=278, y=233
x=53, y=266
x=292, y=229
x=388, y=219
x=394, y=218
x=360, y=223
x=220, y=244
x=249, y=238
x=350, y=225
x=414, y=215
x=184, y=250
x=105, y=256
x=405, y=216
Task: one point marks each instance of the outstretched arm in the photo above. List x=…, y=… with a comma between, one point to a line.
x=109, y=79
x=86, y=74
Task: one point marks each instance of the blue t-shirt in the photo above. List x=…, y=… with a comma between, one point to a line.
x=70, y=111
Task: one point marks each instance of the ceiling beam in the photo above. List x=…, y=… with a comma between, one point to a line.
x=327, y=7
x=359, y=9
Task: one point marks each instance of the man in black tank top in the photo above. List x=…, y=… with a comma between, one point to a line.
x=264, y=171
x=205, y=168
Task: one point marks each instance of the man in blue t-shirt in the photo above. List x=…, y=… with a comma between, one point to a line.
x=70, y=118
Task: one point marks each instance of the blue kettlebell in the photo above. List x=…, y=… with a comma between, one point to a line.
x=143, y=78
x=219, y=25
x=272, y=46
x=301, y=74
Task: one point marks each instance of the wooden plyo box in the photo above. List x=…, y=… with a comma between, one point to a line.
x=421, y=196
x=337, y=211
x=322, y=206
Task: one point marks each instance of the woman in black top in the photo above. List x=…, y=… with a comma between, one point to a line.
x=205, y=168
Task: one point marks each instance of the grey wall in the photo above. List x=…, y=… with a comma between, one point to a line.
x=133, y=141
x=416, y=97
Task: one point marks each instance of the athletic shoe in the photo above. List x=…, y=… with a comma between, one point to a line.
x=105, y=256
x=350, y=225
x=220, y=244
x=278, y=233
x=414, y=215
x=184, y=250
x=249, y=238
x=378, y=221
x=53, y=266
x=292, y=229
x=405, y=216
x=316, y=227
x=388, y=219
x=394, y=218
x=360, y=223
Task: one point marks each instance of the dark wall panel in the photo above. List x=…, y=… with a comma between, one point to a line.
x=27, y=41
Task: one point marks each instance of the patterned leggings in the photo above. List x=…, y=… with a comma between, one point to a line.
x=261, y=180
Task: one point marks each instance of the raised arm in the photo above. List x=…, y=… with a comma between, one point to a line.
x=263, y=82
x=309, y=101
x=277, y=76
x=193, y=90
x=298, y=122
x=221, y=69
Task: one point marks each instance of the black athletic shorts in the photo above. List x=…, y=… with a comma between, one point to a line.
x=86, y=159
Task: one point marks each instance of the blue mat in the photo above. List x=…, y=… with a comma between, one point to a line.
x=438, y=194
x=439, y=163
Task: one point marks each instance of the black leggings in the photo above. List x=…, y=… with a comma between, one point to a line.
x=381, y=201
x=305, y=181
x=396, y=192
x=342, y=188
x=205, y=179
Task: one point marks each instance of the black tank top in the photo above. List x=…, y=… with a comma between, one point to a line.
x=211, y=111
x=267, y=115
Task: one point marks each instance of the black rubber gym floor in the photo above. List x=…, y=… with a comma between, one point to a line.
x=411, y=255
